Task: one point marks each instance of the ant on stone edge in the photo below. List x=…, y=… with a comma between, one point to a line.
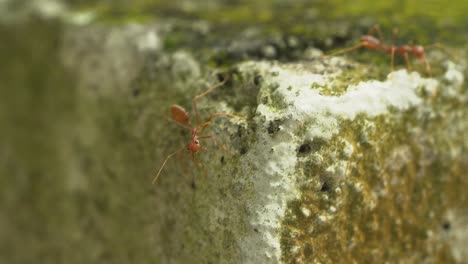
x=370, y=42
x=181, y=117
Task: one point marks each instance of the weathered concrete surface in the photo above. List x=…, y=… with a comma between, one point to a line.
x=366, y=164
x=331, y=163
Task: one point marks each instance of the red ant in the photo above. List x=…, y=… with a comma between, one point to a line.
x=182, y=118
x=369, y=41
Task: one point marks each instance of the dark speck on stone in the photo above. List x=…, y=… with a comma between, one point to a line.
x=136, y=92
x=273, y=127
x=258, y=79
x=243, y=150
x=446, y=226
x=325, y=187
x=304, y=149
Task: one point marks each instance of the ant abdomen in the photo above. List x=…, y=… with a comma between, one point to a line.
x=370, y=42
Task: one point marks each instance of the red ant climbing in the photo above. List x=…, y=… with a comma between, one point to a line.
x=369, y=41
x=182, y=118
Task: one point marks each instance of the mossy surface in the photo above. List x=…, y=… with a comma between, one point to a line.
x=394, y=198
x=416, y=20
x=290, y=28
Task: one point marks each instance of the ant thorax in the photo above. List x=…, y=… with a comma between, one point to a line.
x=403, y=49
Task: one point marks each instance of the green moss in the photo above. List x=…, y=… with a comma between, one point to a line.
x=387, y=216
x=340, y=26
x=416, y=20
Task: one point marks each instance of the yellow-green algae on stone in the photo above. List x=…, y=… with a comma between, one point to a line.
x=384, y=186
x=343, y=171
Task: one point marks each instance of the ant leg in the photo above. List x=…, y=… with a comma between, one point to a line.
x=428, y=67
x=222, y=114
x=164, y=163
x=225, y=115
x=376, y=28
x=345, y=50
x=408, y=64
x=208, y=121
x=198, y=164
x=218, y=143
x=393, y=49
x=193, y=184
x=444, y=48
x=194, y=102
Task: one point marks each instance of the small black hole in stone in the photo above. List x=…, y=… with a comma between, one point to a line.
x=273, y=127
x=258, y=79
x=304, y=149
x=193, y=185
x=221, y=76
x=222, y=160
x=308, y=251
x=136, y=92
x=256, y=230
x=226, y=77
x=446, y=226
x=243, y=150
x=325, y=187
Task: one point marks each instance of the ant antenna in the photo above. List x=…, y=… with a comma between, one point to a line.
x=442, y=47
x=344, y=50
x=194, y=102
x=164, y=163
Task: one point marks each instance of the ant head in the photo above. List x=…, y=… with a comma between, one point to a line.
x=418, y=51
x=194, y=146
